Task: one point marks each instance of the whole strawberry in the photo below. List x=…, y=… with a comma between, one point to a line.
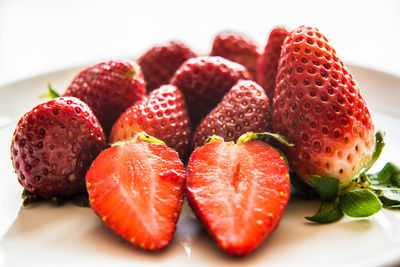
x=159, y=63
x=267, y=65
x=319, y=108
x=108, y=88
x=161, y=114
x=237, y=48
x=204, y=81
x=245, y=108
x=53, y=146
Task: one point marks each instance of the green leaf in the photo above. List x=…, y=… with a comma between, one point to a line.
x=379, y=145
x=302, y=187
x=51, y=92
x=328, y=212
x=359, y=203
x=326, y=187
x=386, y=184
x=264, y=137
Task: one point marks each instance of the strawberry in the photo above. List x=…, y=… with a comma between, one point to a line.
x=239, y=191
x=108, y=88
x=237, y=48
x=53, y=146
x=159, y=63
x=161, y=114
x=245, y=108
x=204, y=81
x=318, y=107
x=137, y=189
x=267, y=65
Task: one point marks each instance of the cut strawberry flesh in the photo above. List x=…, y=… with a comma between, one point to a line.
x=238, y=191
x=137, y=190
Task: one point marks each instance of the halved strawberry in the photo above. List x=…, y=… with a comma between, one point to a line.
x=239, y=191
x=137, y=189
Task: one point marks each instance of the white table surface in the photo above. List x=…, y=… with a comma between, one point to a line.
x=44, y=35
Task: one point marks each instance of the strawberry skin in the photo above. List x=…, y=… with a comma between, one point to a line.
x=238, y=191
x=267, y=65
x=319, y=108
x=237, y=48
x=53, y=146
x=161, y=114
x=159, y=63
x=137, y=189
x=204, y=81
x=245, y=108
x=108, y=88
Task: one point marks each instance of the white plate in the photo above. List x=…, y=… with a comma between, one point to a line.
x=72, y=236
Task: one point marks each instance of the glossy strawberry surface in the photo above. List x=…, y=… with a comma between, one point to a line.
x=108, y=88
x=204, y=81
x=238, y=48
x=245, y=108
x=159, y=63
x=53, y=146
x=319, y=108
x=161, y=114
x=267, y=65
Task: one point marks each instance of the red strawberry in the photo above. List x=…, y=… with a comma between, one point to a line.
x=244, y=109
x=319, y=108
x=159, y=63
x=161, y=114
x=53, y=146
x=239, y=192
x=204, y=81
x=268, y=62
x=108, y=88
x=237, y=48
x=137, y=189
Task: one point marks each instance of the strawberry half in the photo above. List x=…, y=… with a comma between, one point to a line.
x=159, y=63
x=267, y=65
x=137, y=189
x=237, y=48
x=108, y=88
x=245, y=108
x=319, y=108
x=161, y=114
x=204, y=81
x=239, y=191
x=53, y=146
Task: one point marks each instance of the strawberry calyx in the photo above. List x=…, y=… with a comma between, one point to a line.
x=213, y=139
x=266, y=136
x=52, y=93
x=145, y=137
x=364, y=196
x=142, y=136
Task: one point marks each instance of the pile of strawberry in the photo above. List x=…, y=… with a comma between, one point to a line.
x=122, y=131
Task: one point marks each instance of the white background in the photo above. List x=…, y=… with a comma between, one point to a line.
x=45, y=35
